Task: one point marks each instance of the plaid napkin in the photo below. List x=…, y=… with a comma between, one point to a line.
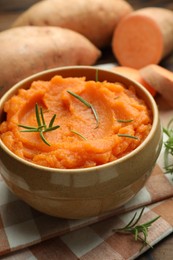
x=98, y=242
x=93, y=238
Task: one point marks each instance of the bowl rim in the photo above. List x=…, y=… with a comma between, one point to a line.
x=153, y=107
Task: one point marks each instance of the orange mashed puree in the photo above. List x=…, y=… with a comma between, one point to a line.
x=120, y=112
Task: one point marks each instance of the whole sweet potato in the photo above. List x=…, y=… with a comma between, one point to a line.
x=28, y=50
x=95, y=19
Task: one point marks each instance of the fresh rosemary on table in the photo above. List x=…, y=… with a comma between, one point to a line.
x=168, y=144
x=42, y=127
x=137, y=230
x=86, y=103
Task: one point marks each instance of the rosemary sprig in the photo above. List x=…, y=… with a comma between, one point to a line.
x=86, y=103
x=77, y=133
x=124, y=120
x=168, y=144
x=128, y=136
x=42, y=127
x=136, y=230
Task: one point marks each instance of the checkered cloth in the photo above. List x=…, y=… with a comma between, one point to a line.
x=22, y=227
x=98, y=242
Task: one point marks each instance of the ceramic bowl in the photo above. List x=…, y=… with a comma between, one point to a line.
x=80, y=193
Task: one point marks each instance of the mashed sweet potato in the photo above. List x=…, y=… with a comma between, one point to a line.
x=123, y=122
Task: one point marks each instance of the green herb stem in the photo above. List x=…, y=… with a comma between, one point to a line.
x=128, y=136
x=79, y=134
x=136, y=230
x=124, y=120
x=42, y=127
x=168, y=144
x=86, y=103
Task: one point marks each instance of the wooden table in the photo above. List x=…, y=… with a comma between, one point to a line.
x=10, y=10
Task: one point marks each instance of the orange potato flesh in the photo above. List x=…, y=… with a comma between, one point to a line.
x=102, y=144
x=143, y=37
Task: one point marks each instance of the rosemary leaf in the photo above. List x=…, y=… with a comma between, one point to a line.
x=128, y=136
x=86, y=103
x=42, y=117
x=77, y=133
x=43, y=139
x=37, y=115
x=139, y=217
x=124, y=120
x=28, y=127
x=32, y=130
x=52, y=120
x=51, y=128
x=95, y=115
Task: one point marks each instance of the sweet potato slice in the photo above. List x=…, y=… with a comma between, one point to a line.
x=160, y=79
x=28, y=50
x=95, y=19
x=134, y=75
x=143, y=37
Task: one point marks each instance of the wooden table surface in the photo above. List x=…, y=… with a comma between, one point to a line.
x=11, y=9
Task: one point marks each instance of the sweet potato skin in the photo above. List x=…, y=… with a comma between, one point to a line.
x=96, y=19
x=134, y=74
x=28, y=50
x=160, y=79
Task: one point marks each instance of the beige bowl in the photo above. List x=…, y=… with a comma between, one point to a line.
x=79, y=193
